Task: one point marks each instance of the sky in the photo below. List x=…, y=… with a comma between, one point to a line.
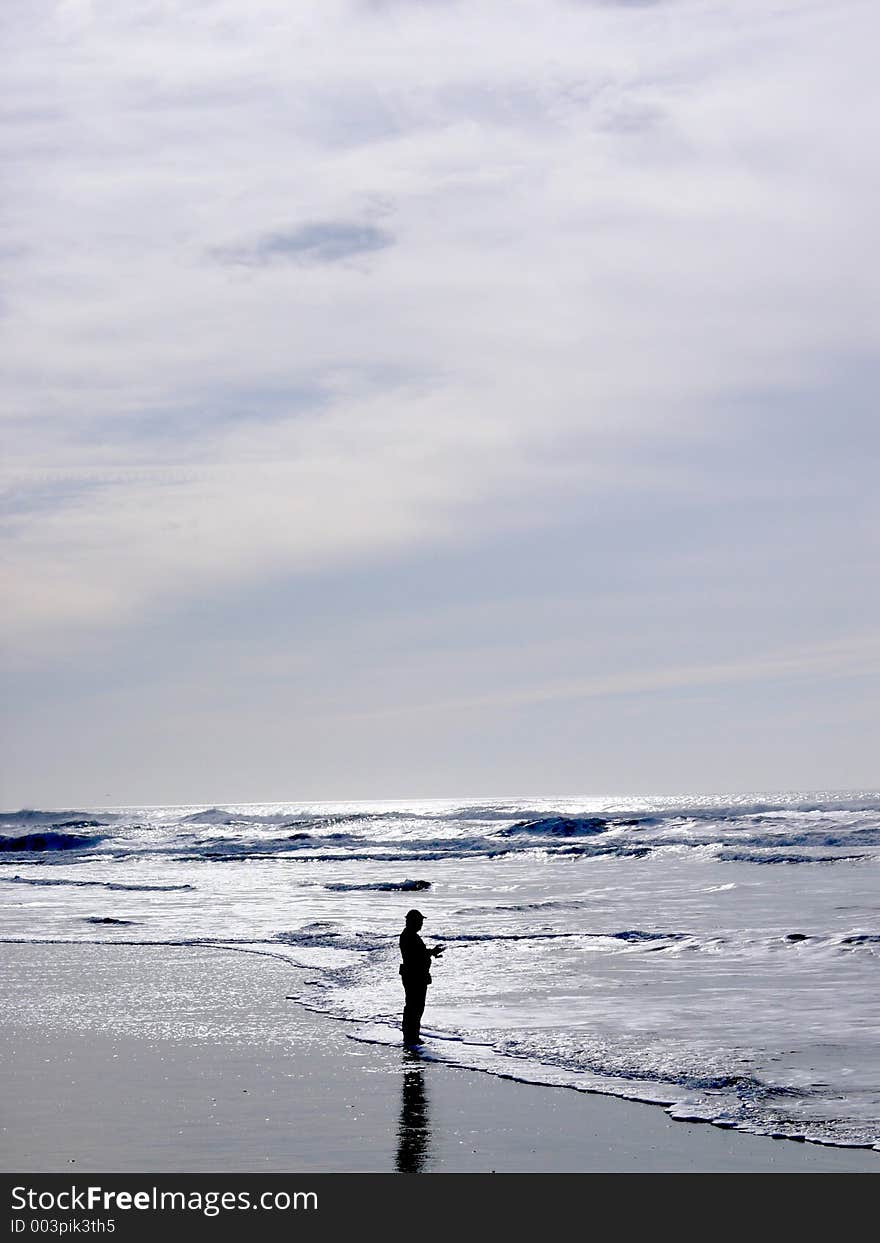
x=413, y=398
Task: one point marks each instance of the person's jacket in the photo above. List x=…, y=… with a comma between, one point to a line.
x=415, y=967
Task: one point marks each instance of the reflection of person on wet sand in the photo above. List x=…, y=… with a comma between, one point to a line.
x=414, y=1128
x=415, y=973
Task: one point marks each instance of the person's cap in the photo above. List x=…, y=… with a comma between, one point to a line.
x=413, y=915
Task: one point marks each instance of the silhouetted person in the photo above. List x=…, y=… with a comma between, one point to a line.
x=415, y=973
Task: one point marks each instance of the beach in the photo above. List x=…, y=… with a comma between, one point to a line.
x=711, y=955
x=160, y=1059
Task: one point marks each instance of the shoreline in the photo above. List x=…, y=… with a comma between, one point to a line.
x=193, y=1059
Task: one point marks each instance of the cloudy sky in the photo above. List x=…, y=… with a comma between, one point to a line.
x=411, y=397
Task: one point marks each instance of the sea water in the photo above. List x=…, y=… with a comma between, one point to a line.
x=716, y=955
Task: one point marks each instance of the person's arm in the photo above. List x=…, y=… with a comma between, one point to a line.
x=428, y=954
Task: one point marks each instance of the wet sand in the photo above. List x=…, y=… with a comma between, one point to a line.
x=159, y=1059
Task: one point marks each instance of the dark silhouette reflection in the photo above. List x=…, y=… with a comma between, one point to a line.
x=414, y=1128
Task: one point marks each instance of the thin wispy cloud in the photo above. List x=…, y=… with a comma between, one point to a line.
x=328, y=241
x=856, y=657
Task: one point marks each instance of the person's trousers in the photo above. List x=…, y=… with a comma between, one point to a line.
x=414, y=1008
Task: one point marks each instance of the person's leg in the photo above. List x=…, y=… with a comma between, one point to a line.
x=418, y=1009
x=413, y=1011
x=410, y=1036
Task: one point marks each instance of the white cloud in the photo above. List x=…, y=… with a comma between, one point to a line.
x=606, y=220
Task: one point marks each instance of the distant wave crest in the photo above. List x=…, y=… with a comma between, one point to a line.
x=391, y=886
x=96, y=884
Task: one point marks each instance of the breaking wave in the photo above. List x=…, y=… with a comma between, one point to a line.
x=48, y=841
x=556, y=826
x=777, y=856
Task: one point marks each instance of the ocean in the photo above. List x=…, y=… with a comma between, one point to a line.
x=716, y=955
